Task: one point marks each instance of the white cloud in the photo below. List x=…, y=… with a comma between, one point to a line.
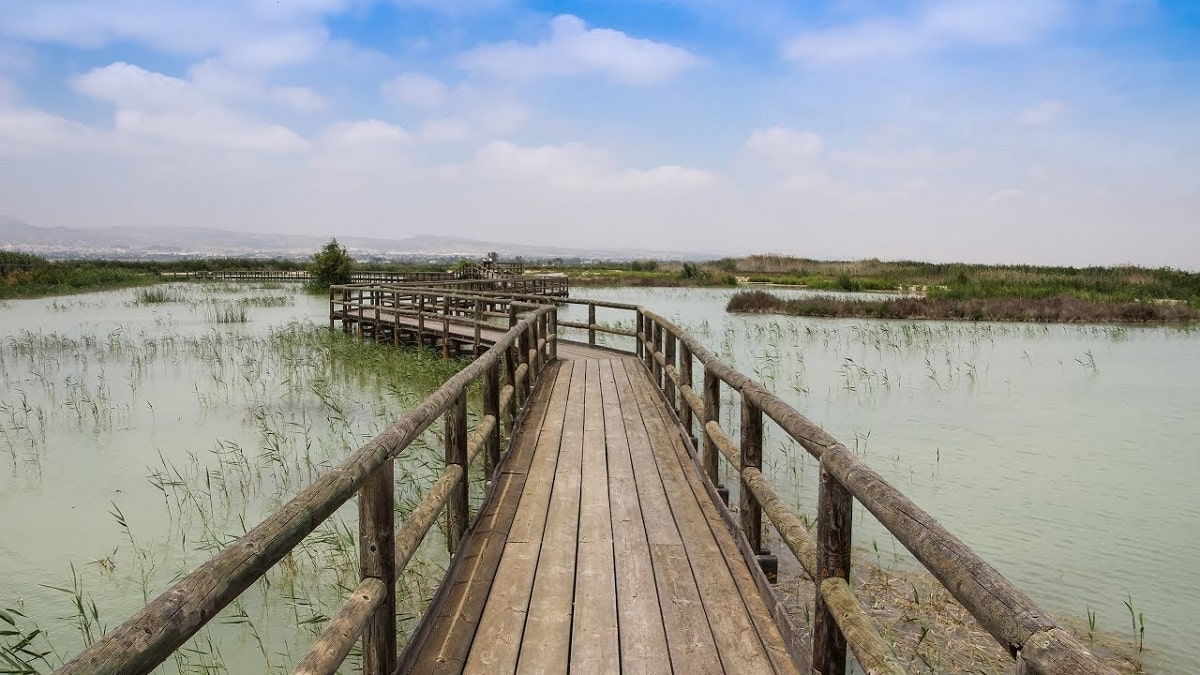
x=300, y=98
x=415, y=89
x=155, y=106
x=445, y=130
x=259, y=33
x=26, y=132
x=786, y=149
x=934, y=25
x=365, y=132
x=576, y=166
x=574, y=49
x=1040, y=114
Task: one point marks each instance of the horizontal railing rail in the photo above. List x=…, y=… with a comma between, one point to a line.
x=515, y=359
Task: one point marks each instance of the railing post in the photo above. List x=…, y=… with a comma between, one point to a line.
x=553, y=319
x=331, y=307
x=510, y=374
x=491, y=406
x=668, y=383
x=523, y=357
x=751, y=456
x=656, y=349
x=685, y=376
x=532, y=345
x=377, y=558
x=456, y=453
x=478, y=321
x=639, y=346
x=712, y=413
x=834, y=528
x=421, y=320
x=591, y=324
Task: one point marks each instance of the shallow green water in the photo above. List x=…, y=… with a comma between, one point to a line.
x=1065, y=455
x=138, y=439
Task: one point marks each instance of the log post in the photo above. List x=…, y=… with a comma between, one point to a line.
x=712, y=413
x=523, y=357
x=668, y=384
x=491, y=406
x=421, y=320
x=478, y=323
x=751, y=456
x=834, y=529
x=456, y=453
x=510, y=376
x=656, y=347
x=639, y=346
x=553, y=319
x=591, y=324
x=685, y=376
x=377, y=559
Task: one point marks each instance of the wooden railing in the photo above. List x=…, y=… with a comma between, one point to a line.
x=500, y=272
x=507, y=370
x=1031, y=637
x=1037, y=643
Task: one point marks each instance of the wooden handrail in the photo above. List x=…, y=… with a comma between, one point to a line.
x=168, y=621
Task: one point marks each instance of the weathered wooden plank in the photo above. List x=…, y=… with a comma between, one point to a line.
x=501, y=628
x=690, y=640
x=710, y=548
x=594, y=642
x=444, y=637
x=642, y=636
x=547, y=642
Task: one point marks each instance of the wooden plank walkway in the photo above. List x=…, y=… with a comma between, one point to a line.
x=598, y=549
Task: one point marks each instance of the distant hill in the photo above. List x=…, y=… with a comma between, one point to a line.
x=167, y=243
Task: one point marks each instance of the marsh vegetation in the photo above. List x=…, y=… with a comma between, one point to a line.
x=140, y=434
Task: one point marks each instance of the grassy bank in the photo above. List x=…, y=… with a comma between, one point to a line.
x=1055, y=309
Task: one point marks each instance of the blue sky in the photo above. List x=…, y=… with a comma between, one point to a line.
x=1032, y=131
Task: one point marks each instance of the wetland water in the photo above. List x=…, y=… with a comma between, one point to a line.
x=1065, y=455
x=138, y=438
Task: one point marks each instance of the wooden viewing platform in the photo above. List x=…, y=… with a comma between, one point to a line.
x=604, y=543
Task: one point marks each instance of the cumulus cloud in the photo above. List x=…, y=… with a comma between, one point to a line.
x=164, y=108
x=1040, y=114
x=365, y=132
x=582, y=167
x=785, y=149
x=932, y=26
x=257, y=33
x=415, y=89
x=574, y=49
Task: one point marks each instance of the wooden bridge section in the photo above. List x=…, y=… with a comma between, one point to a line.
x=604, y=543
x=601, y=550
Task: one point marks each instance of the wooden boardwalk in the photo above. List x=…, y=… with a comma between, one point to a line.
x=599, y=549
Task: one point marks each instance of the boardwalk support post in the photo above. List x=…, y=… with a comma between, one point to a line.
x=377, y=560
x=751, y=510
x=712, y=415
x=685, y=377
x=456, y=453
x=491, y=406
x=591, y=324
x=834, y=529
x=668, y=383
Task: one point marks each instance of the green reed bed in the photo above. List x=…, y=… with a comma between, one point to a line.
x=155, y=448
x=1056, y=309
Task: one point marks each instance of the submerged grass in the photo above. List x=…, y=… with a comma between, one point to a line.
x=302, y=396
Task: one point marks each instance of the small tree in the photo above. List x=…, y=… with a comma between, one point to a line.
x=331, y=265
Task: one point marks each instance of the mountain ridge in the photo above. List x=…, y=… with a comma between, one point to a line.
x=149, y=242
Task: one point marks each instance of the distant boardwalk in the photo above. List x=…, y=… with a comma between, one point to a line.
x=604, y=544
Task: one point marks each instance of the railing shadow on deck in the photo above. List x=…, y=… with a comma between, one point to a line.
x=525, y=329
